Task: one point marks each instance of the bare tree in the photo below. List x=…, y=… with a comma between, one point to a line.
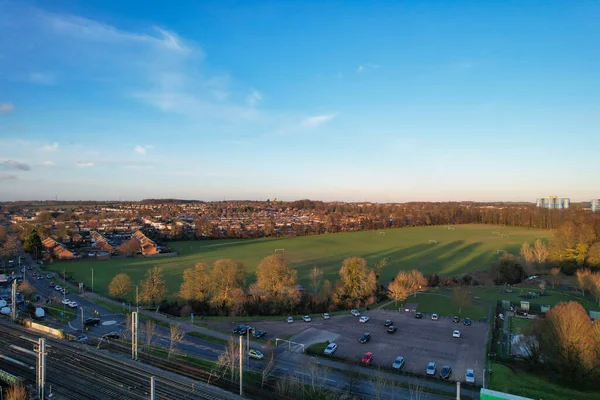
x=583, y=276
x=527, y=254
x=379, y=385
x=268, y=371
x=461, y=297
x=229, y=359
x=316, y=278
x=415, y=390
x=401, y=287
x=540, y=252
x=153, y=287
x=542, y=287
x=196, y=283
x=175, y=337
x=149, y=331
x=16, y=392
x=553, y=276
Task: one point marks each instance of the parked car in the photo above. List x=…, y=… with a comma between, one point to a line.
x=111, y=335
x=392, y=329
x=259, y=334
x=52, y=284
x=467, y=322
x=388, y=322
x=398, y=363
x=39, y=277
x=455, y=319
x=65, y=301
x=456, y=333
x=91, y=321
x=431, y=368
x=418, y=315
x=34, y=274
x=306, y=318
x=49, y=276
x=446, y=372
x=290, y=320
x=365, y=338
x=330, y=349
x=434, y=317
x=470, y=376
x=356, y=313
x=325, y=315
x=256, y=354
x=73, y=304
x=367, y=358
x=244, y=330
x=237, y=329
x=58, y=288
x=364, y=319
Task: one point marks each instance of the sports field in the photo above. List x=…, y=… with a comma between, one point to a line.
x=461, y=249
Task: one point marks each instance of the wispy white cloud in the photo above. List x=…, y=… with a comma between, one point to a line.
x=317, y=120
x=42, y=78
x=48, y=163
x=6, y=108
x=140, y=167
x=253, y=98
x=142, y=149
x=366, y=67
x=81, y=164
x=51, y=147
x=12, y=164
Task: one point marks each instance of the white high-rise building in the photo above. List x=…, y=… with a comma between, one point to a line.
x=553, y=202
x=595, y=205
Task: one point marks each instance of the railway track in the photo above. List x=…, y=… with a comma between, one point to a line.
x=81, y=373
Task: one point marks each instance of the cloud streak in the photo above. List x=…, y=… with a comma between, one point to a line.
x=11, y=164
x=366, y=67
x=4, y=177
x=141, y=149
x=42, y=78
x=81, y=164
x=6, y=108
x=317, y=120
x=51, y=147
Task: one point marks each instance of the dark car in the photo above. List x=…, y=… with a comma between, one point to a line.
x=467, y=321
x=244, y=330
x=111, y=335
x=388, y=322
x=259, y=334
x=455, y=319
x=91, y=321
x=418, y=315
x=445, y=372
x=52, y=284
x=392, y=329
x=237, y=329
x=365, y=338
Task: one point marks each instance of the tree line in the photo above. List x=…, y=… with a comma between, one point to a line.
x=220, y=288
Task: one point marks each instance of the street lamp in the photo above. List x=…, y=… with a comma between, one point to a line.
x=137, y=301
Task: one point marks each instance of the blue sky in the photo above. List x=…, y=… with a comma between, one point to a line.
x=383, y=101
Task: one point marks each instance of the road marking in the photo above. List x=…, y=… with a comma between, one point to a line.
x=163, y=339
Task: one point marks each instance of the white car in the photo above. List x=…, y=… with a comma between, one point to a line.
x=398, y=363
x=330, y=349
x=57, y=288
x=306, y=318
x=325, y=315
x=456, y=333
x=290, y=320
x=431, y=368
x=73, y=304
x=470, y=376
x=434, y=317
x=355, y=313
x=364, y=319
x=66, y=301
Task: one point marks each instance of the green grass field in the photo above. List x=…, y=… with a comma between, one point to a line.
x=466, y=248
x=525, y=384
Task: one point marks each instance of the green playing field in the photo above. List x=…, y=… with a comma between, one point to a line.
x=462, y=248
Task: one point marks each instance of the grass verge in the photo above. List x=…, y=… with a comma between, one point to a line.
x=210, y=338
x=317, y=349
x=523, y=383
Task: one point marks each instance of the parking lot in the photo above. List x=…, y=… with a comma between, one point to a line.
x=419, y=341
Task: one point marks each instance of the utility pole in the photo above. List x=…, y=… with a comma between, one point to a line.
x=81, y=319
x=92, y=279
x=483, y=386
x=241, y=365
x=14, y=300
x=152, y=382
x=457, y=390
x=137, y=301
x=41, y=367
x=134, y=335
